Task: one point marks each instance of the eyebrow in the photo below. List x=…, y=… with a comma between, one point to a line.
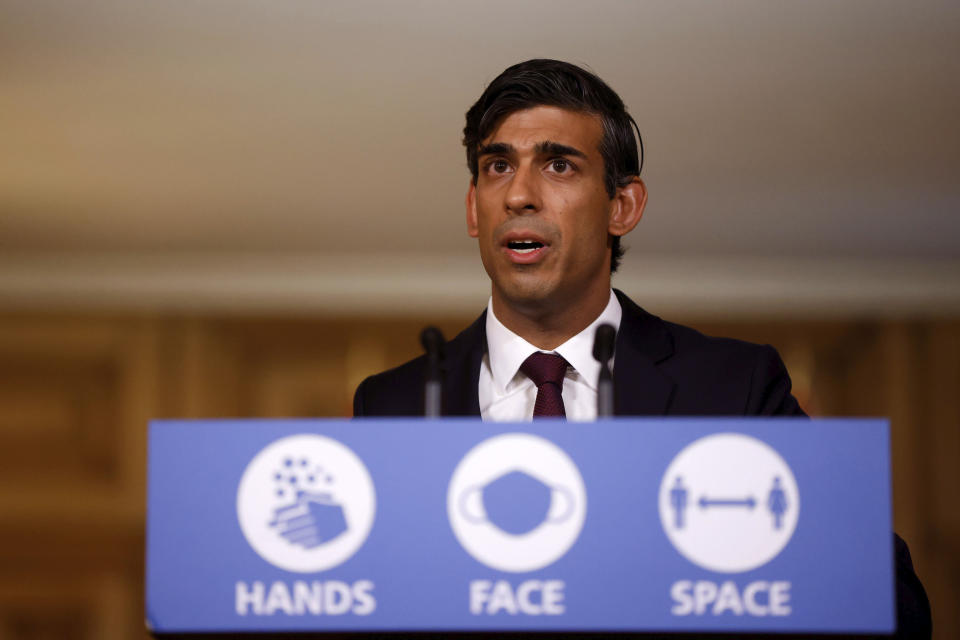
x=496, y=149
x=548, y=147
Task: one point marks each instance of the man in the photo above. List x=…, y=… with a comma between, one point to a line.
x=555, y=185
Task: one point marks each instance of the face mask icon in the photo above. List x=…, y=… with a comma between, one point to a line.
x=516, y=503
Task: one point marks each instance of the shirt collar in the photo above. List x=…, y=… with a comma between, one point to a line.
x=507, y=350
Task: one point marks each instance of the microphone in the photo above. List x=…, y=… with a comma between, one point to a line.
x=433, y=343
x=603, y=343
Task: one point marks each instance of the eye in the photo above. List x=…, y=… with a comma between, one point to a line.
x=559, y=165
x=499, y=166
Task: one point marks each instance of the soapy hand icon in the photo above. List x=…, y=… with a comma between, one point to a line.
x=312, y=520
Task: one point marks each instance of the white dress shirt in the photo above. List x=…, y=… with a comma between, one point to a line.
x=508, y=395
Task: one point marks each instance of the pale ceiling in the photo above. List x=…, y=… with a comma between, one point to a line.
x=772, y=128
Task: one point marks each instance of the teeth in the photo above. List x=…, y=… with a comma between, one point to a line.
x=524, y=246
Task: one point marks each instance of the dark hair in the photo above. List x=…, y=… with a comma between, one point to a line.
x=555, y=83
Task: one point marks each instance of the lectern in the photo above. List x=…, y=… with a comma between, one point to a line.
x=649, y=526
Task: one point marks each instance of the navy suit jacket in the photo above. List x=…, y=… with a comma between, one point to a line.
x=661, y=369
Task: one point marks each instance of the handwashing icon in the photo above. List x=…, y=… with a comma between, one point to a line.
x=310, y=521
x=306, y=503
x=307, y=512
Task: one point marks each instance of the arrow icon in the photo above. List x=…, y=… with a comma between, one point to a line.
x=747, y=502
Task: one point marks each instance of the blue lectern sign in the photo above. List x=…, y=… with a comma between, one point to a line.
x=625, y=525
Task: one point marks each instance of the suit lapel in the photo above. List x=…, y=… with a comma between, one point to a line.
x=464, y=354
x=639, y=388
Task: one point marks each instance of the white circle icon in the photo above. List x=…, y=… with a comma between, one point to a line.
x=306, y=503
x=729, y=503
x=516, y=502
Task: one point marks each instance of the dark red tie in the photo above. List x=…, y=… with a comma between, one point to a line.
x=547, y=371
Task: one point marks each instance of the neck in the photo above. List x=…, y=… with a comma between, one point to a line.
x=547, y=326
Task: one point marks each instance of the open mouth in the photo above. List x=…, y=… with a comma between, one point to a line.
x=524, y=249
x=524, y=246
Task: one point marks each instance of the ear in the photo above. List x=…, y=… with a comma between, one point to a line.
x=628, y=204
x=472, y=229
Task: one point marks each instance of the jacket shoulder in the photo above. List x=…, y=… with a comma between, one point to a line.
x=400, y=391
x=690, y=341
x=741, y=378
x=394, y=392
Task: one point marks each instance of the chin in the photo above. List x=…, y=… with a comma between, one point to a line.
x=521, y=292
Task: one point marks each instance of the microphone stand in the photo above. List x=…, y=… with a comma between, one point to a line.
x=433, y=343
x=603, y=344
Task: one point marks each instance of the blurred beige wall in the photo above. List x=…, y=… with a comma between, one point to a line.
x=241, y=209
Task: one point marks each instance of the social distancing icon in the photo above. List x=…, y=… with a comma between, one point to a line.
x=729, y=503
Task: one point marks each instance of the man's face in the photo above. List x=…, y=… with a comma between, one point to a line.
x=540, y=211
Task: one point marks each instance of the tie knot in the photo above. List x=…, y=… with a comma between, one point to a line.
x=545, y=367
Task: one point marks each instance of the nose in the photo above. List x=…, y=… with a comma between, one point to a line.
x=523, y=194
